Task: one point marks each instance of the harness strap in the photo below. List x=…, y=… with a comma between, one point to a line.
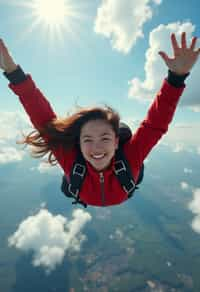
x=123, y=173
x=77, y=175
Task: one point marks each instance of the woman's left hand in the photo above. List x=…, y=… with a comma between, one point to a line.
x=184, y=57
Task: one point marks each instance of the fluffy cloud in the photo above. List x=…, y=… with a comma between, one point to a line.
x=49, y=236
x=194, y=206
x=11, y=125
x=187, y=170
x=183, y=137
x=155, y=68
x=45, y=167
x=180, y=136
x=10, y=154
x=122, y=21
x=184, y=185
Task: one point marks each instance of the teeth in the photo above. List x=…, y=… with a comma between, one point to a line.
x=98, y=156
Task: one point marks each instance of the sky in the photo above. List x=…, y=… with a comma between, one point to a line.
x=98, y=52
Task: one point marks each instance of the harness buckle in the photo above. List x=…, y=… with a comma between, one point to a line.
x=74, y=194
x=132, y=187
x=79, y=169
x=119, y=166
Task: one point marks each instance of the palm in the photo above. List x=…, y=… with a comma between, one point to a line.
x=184, y=57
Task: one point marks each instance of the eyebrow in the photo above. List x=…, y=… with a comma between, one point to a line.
x=88, y=136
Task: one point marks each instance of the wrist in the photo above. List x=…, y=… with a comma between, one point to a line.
x=175, y=79
x=17, y=76
x=11, y=68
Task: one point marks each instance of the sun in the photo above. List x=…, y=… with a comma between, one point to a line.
x=53, y=18
x=51, y=12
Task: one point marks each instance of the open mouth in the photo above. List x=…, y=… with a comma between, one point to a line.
x=99, y=156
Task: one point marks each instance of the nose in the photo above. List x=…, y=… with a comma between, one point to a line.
x=97, y=146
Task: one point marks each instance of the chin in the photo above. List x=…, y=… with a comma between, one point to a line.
x=101, y=168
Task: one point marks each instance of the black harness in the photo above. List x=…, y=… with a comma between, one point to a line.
x=121, y=168
x=122, y=171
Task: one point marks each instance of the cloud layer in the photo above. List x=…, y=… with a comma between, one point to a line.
x=194, y=206
x=122, y=21
x=49, y=236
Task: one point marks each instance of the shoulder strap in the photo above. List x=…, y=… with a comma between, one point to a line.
x=123, y=172
x=77, y=175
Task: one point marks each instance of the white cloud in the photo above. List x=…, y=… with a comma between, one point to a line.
x=156, y=70
x=122, y=21
x=11, y=125
x=184, y=185
x=178, y=147
x=187, y=170
x=194, y=206
x=10, y=154
x=45, y=167
x=119, y=233
x=183, y=137
x=180, y=136
x=49, y=236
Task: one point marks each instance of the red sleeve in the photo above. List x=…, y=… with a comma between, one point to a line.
x=35, y=104
x=40, y=112
x=155, y=125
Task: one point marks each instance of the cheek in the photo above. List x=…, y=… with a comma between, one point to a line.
x=85, y=149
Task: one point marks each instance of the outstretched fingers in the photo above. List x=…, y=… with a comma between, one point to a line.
x=175, y=45
x=164, y=56
x=183, y=41
x=193, y=43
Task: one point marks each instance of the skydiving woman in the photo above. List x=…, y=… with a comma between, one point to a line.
x=99, y=169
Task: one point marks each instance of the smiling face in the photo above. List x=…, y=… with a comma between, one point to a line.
x=98, y=143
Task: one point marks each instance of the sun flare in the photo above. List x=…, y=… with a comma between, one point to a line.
x=53, y=18
x=52, y=12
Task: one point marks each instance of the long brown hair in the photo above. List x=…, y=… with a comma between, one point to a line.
x=66, y=131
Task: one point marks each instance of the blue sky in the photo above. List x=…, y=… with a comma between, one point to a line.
x=86, y=67
x=100, y=55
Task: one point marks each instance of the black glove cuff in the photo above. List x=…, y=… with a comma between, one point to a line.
x=17, y=76
x=176, y=80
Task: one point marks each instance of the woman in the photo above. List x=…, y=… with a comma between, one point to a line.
x=94, y=132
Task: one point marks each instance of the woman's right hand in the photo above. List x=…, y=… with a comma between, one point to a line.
x=6, y=61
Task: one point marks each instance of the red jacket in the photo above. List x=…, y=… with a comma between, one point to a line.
x=136, y=149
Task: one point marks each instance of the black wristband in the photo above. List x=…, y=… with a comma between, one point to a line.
x=17, y=76
x=176, y=80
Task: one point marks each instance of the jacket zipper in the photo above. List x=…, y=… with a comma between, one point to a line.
x=101, y=177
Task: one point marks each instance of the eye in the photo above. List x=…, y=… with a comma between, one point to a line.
x=106, y=139
x=87, y=140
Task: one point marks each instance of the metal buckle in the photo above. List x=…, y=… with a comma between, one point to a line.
x=132, y=188
x=122, y=168
x=75, y=195
x=76, y=169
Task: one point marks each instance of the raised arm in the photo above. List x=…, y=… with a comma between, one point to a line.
x=34, y=102
x=163, y=107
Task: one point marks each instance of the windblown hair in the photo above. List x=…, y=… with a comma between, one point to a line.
x=66, y=131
